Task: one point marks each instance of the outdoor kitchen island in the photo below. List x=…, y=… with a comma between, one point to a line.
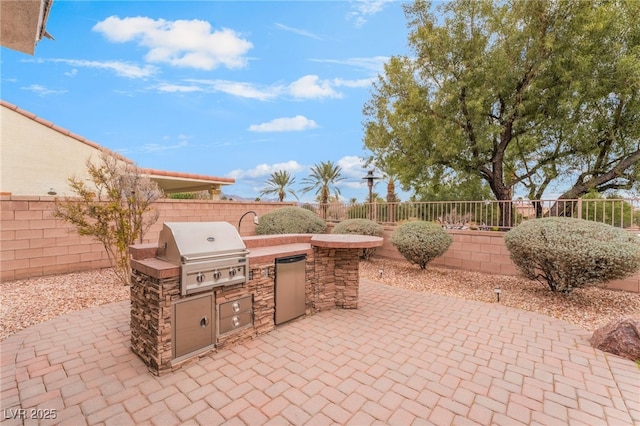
x=170, y=328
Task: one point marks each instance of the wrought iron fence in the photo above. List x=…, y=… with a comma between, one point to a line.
x=486, y=215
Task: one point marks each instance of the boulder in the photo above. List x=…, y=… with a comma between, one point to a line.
x=620, y=337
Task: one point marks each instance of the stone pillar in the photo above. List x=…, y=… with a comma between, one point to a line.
x=324, y=293
x=151, y=316
x=347, y=278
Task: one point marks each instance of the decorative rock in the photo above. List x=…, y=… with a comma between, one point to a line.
x=620, y=337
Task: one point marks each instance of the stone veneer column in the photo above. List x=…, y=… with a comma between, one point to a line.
x=324, y=292
x=347, y=278
x=336, y=278
x=151, y=316
x=337, y=259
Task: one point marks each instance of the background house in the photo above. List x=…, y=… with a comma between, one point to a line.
x=37, y=158
x=23, y=23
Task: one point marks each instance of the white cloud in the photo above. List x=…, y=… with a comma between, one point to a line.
x=362, y=9
x=297, y=123
x=363, y=82
x=298, y=31
x=177, y=88
x=155, y=147
x=122, y=69
x=353, y=167
x=182, y=142
x=374, y=64
x=241, y=89
x=42, y=91
x=307, y=87
x=181, y=43
x=310, y=86
x=265, y=170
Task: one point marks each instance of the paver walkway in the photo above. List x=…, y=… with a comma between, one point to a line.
x=401, y=358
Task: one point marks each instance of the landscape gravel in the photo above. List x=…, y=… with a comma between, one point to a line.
x=24, y=303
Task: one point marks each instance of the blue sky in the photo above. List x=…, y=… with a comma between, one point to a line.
x=235, y=89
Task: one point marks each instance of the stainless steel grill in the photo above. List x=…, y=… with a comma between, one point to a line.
x=210, y=254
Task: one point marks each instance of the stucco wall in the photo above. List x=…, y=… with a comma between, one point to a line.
x=33, y=243
x=35, y=157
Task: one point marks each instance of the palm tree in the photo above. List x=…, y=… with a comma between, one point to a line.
x=392, y=198
x=391, y=189
x=323, y=179
x=279, y=183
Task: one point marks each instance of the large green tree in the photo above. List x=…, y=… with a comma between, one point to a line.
x=514, y=93
x=280, y=183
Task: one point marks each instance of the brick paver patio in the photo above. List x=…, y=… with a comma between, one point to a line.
x=401, y=358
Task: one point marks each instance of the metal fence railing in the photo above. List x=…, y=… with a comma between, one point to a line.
x=488, y=214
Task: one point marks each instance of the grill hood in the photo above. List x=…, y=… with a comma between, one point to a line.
x=183, y=242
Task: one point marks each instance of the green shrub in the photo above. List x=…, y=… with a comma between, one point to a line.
x=290, y=220
x=360, y=227
x=567, y=253
x=420, y=242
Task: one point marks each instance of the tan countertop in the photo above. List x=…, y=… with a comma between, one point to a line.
x=347, y=241
x=262, y=249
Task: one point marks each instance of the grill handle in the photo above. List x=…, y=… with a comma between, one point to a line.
x=185, y=259
x=292, y=259
x=204, y=322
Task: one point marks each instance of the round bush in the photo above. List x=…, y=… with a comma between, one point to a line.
x=360, y=227
x=420, y=242
x=567, y=253
x=290, y=220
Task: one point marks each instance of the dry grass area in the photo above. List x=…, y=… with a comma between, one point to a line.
x=589, y=308
x=24, y=303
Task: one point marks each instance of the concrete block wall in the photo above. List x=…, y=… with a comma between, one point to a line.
x=33, y=243
x=484, y=251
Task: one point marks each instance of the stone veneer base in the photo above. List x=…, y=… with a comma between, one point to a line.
x=331, y=272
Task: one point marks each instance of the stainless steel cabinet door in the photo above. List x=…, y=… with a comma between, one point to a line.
x=290, y=290
x=194, y=325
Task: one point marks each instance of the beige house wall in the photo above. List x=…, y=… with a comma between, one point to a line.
x=38, y=158
x=35, y=158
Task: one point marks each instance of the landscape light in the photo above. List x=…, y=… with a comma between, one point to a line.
x=497, y=291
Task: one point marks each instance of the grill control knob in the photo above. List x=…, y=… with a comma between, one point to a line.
x=200, y=277
x=235, y=321
x=232, y=272
x=216, y=275
x=236, y=307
